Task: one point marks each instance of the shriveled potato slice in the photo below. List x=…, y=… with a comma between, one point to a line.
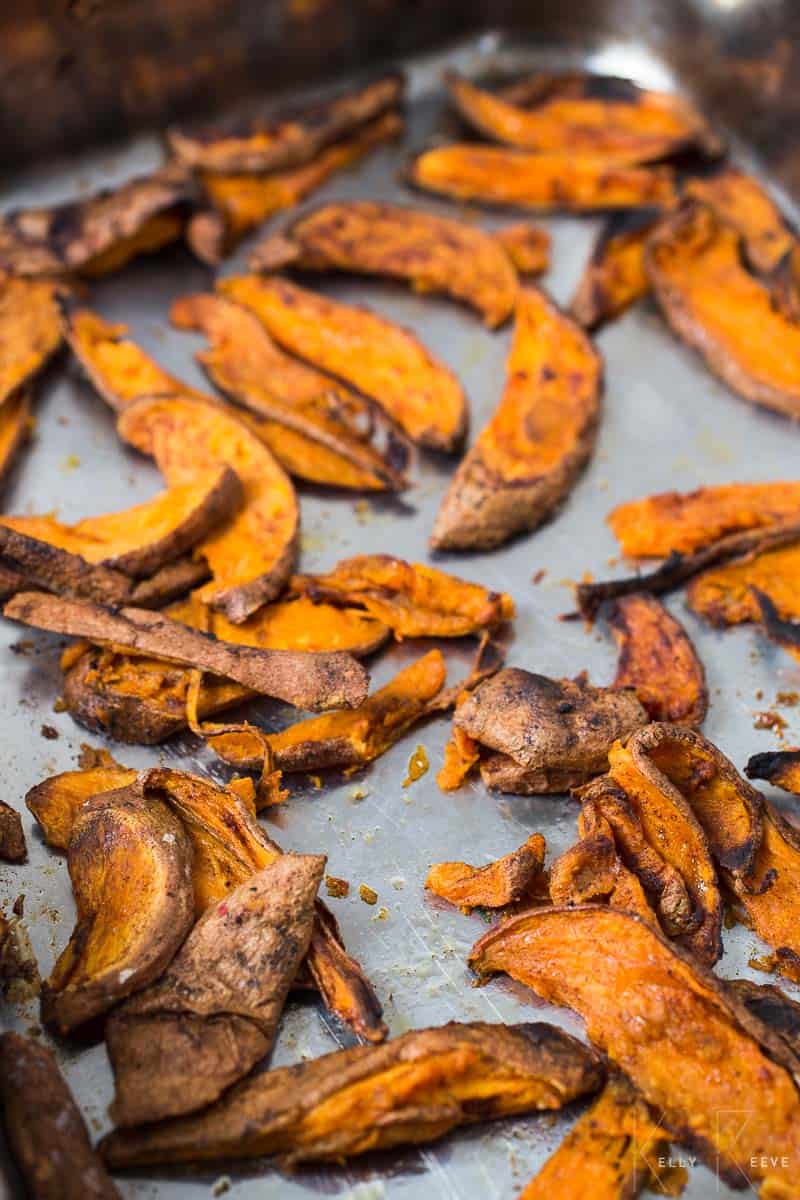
x=12, y=839
x=713, y=303
x=502, y=882
x=252, y=555
x=411, y=1090
x=434, y=254
x=615, y=276
x=16, y=425
x=130, y=863
x=30, y=329
x=741, y=201
x=493, y=175
x=527, y=458
x=726, y=595
x=657, y=659
x=56, y=802
x=377, y=357
x=780, y=767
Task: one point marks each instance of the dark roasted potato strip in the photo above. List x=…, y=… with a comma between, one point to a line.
x=657, y=659
x=741, y=201
x=12, y=838
x=502, y=882
x=615, y=276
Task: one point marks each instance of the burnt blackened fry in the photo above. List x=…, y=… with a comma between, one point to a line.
x=781, y=767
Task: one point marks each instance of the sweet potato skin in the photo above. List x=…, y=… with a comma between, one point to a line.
x=502, y=882
x=657, y=659
x=527, y=458
x=369, y=1098
x=123, y=845
x=603, y=963
x=708, y=298
x=615, y=276
x=434, y=254
x=13, y=848
x=377, y=357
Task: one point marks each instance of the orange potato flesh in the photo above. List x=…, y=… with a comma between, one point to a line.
x=56, y=802
x=30, y=330
x=540, y=182
x=657, y=659
x=615, y=276
x=496, y=885
x=655, y=526
x=16, y=424
x=376, y=357
x=742, y=202
x=461, y=754
x=158, y=231
x=724, y=595
x=770, y=895
x=527, y=246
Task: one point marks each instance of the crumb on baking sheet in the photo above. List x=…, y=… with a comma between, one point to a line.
x=417, y=766
x=367, y=894
x=338, y=888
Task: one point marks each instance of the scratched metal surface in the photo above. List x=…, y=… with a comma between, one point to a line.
x=667, y=424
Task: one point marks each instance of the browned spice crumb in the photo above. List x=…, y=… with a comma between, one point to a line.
x=381, y=914
x=18, y=907
x=417, y=766
x=60, y=705
x=22, y=647
x=760, y=694
x=338, y=888
x=50, y=732
x=539, y=576
x=769, y=720
x=787, y=699
x=367, y=894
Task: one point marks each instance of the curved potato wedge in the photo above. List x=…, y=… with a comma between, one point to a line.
x=657, y=659
x=769, y=896
x=180, y=1043
x=492, y=175
x=615, y=276
x=780, y=767
x=373, y=355
x=299, y=408
x=642, y=126
x=16, y=426
x=411, y=1090
x=433, y=254
x=413, y=599
x=142, y=539
x=527, y=458
x=502, y=882
x=741, y=201
x=725, y=595
x=56, y=802
x=261, y=144
x=130, y=863
x=252, y=555
x=698, y=1056
x=711, y=301
x=30, y=329
x=682, y=522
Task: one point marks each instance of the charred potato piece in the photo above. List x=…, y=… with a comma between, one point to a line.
x=492, y=175
x=12, y=839
x=741, y=201
x=16, y=425
x=434, y=254
x=30, y=330
x=373, y=355
x=726, y=595
x=527, y=458
x=410, y=1091
x=783, y=632
x=496, y=885
x=657, y=659
x=615, y=276
x=130, y=863
x=177, y=1045
x=56, y=802
x=44, y=1127
x=779, y=767
x=772, y=1006
x=711, y=302
x=558, y=731
x=663, y=1020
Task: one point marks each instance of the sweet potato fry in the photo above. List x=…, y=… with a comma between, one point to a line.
x=779, y=767
x=413, y=599
x=614, y=277
x=493, y=175
x=502, y=882
x=612, y=1152
x=177, y=1045
x=240, y=202
x=461, y=754
x=636, y=126
x=298, y=406
x=30, y=330
x=262, y=144
x=310, y=681
x=527, y=246
x=527, y=458
x=16, y=426
x=12, y=839
x=46, y=1133
x=130, y=863
x=711, y=300
x=724, y=595
x=682, y=522
x=558, y=731
x=410, y=1091
x=657, y=659
x=696, y=1055
x=56, y=802
x=740, y=201
x=376, y=357
x=98, y=233
x=768, y=896
x=433, y=254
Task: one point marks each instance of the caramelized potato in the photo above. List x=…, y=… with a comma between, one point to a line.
x=496, y=885
x=528, y=247
x=56, y=802
x=30, y=330
x=657, y=659
x=615, y=276
x=16, y=425
x=741, y=201
x=725, y=596
x=12, y=839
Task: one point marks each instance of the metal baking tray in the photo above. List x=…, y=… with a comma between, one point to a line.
x=667, y=424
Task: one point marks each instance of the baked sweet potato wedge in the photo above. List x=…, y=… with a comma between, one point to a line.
x=310, y=681
x=609, y=121
x=411, y=1090
x=373, y=355
x=432, y=254
x=56, y=802
x=696, y=1055
x=33, y=563
x=46, y=1133
x=772, y=1006
x=615, y=276
x=30, y=330
x=559, y=732
x=725, y=596
x=780, y=767
x=740, y=201
x=528, y=247
x=263, y=144
x=413, y=599
x=98, y=233
x=461, y=754
x=611, y=1153
x=539, y=439
x=180, y=1043
x=682, y=522
x=494, y=175
x=500, y=883
x=711, y=301
x=252, y=555
x=657, y=659
x=16, y=426
x=130, y=862
x=12, y=838
x=299, y=408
